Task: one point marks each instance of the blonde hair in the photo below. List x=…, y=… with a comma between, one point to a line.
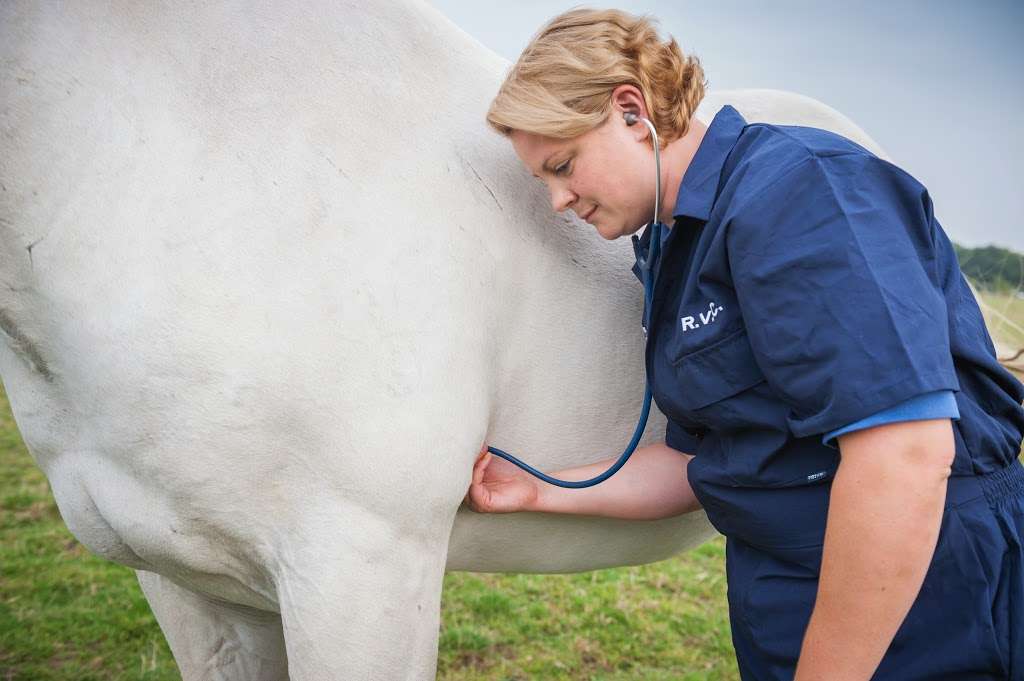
x=562, y=84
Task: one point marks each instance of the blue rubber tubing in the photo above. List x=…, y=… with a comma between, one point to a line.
x=647, y=267
x=600, y=478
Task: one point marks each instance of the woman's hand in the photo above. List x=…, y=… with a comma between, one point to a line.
x=499, y=486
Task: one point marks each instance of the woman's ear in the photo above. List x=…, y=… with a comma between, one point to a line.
x=627, y=99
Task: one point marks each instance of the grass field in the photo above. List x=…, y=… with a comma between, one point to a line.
x=65, y=614
x=1005, y=317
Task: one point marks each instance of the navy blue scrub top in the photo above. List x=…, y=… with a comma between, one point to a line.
x=806, y=285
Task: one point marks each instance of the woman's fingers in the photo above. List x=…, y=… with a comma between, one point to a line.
x=477, y=493
x=479, y=467
x=479, y=498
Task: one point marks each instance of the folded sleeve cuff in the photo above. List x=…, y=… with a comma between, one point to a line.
x=678, y=439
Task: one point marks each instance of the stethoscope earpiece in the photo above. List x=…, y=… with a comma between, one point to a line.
x=631, y=119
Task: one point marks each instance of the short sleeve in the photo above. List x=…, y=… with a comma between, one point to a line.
x=678, y=439
x=835, y=274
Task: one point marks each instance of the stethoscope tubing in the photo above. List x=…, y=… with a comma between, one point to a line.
x=647, y=267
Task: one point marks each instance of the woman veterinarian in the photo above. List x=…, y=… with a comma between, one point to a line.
x=815, y=348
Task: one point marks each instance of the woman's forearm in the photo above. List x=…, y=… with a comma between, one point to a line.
x=650, y=486
x=883, y=524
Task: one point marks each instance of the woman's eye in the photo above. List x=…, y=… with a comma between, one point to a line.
x=562, y=169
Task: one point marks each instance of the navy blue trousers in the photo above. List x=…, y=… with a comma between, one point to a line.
x=967, y=622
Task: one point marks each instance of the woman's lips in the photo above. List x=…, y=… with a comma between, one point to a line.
x=590, y=214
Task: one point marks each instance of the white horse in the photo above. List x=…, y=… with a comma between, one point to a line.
x=267, y=281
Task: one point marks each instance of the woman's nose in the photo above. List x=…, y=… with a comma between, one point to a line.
x=562, y=199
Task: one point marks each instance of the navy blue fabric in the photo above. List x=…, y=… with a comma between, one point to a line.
x=966, y=623
x=805, y=285
x=936, y=405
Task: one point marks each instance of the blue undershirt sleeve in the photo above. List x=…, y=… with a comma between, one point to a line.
x=934, y=405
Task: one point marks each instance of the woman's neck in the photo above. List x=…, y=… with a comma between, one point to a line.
x=675, y=159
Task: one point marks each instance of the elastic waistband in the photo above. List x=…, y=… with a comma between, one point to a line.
x=993, y=486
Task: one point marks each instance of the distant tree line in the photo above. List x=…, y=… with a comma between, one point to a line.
x=992, y=267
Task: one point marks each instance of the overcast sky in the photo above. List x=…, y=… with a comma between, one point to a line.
x=938, y=83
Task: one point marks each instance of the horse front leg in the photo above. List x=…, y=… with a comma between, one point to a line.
x=216, y=641
x=361, y=598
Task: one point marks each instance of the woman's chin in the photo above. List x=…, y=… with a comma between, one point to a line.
x=612, y=231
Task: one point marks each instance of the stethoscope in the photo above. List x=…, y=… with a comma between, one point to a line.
x=647, y=267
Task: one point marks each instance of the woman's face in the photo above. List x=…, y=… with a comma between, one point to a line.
x=605, y=176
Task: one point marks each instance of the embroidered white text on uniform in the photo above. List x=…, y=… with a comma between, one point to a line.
x=705, y=317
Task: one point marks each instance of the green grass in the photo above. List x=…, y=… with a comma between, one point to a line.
x=667, y=620
x=65, y=614
x=1008, y=324
x=1004, y=315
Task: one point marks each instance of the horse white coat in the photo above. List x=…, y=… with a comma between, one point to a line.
x=266, y=282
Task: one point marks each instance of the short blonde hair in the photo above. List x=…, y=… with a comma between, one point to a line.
x=562, y=84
